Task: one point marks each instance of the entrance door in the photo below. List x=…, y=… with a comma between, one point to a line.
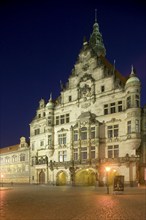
x=42, y=177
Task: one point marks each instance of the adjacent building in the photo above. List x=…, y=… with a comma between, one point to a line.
x=97, y=121
x=14, y=163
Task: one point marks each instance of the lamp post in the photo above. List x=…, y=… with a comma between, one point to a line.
x=107, y=177
x=2, y=176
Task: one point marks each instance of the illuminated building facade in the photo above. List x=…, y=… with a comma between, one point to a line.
x=97, y=121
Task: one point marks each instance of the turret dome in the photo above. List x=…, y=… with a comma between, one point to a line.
x=50, y=104
x=132, y=78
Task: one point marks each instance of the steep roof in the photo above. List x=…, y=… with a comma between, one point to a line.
x=9, y=149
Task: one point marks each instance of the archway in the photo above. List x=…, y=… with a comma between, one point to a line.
x=85, y=177
x=42, y=177
x=61, y=179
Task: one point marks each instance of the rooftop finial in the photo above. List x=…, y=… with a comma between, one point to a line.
x=50, y=100
x=132, y=71
x=95, y=15
x=114, y=66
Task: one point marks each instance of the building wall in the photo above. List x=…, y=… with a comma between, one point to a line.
x=95, y=122
x=14, y=162
x=95, y=97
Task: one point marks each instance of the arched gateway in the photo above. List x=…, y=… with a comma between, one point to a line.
x=85, y=177
x=61, y=179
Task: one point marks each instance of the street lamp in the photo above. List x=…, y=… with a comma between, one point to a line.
x=2, y=176
x=107, y=177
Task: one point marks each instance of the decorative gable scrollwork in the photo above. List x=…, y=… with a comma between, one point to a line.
x=86, y=87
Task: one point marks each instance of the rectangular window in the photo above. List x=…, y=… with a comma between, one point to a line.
x=14, y=158
x=37, y=131
x=75, y=153
x=83, y=153
x=105, y=109
x=113, y=131
x=113, y=109
x=137, y=126
x=120, y=106
x=92, y=132
x=137, y=100
x=67, y=118
x=49, y=140
x=116, y=130
x=102, y=88
x=41, y=143
x=61, y=139
x=110, y=131
x=49, y=120
x=83, y=133
x=70, y=98
x=22, y=157
x=116, y=151
x=57, y=120
x=110, y=151
x=92, y=152
x=62, y=156
x=128, y=127
x=62, y=121
x=33, y=145
x=129, y=102
x=75, y=135
x=113, y=151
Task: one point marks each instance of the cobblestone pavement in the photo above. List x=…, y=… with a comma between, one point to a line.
x=71, y=203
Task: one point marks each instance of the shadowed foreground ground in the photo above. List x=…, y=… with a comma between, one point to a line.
x=34, y=202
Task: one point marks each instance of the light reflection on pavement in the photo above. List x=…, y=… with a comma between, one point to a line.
x=71, y=203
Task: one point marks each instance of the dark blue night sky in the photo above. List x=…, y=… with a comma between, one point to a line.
x=39, y=45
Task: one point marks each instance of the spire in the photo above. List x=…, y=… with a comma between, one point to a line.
x=132, y=71
x=95, y=15
x=114, y=66
x=50, y=100
x=96, y=41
